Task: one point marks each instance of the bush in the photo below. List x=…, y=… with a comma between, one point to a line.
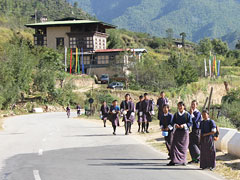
x=186, y=74
x=225, y=122
x=230, y=106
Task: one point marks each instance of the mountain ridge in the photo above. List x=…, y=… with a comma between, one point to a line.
x=198, y=18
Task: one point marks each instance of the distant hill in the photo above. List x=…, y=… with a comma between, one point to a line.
x=232, y=39
x=198, y=18
x=18, y=12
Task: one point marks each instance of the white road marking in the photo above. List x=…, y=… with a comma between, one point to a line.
x=36, y=175
x=40, y=152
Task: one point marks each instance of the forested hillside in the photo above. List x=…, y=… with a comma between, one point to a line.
x=197, y=18
x=232, y=39
x=26, y=71
x=18, y=12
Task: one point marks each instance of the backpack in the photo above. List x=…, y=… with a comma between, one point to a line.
x=216, y=135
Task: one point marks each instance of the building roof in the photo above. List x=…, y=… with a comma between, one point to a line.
x=69, y=22
x=121, y=50
x=110, y=50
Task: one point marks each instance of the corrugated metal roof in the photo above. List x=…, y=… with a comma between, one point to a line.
x=72, y=22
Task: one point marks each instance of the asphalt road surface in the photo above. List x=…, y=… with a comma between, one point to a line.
x=53, y=147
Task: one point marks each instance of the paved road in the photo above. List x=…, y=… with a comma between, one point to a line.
x=52, y=147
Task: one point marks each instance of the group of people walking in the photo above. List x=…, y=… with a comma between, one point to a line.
x=144, y=109
x=183, y=130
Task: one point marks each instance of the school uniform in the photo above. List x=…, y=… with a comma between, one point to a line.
x=129, y=116
x=160, y=103
x=180, y=141
x=147, y=109
x=114, y=117
x=104, y=111
x=78, y=109
x=166, y=121
x=207, y=150
x=139, y=113
x=194, y=136
x=140, y=116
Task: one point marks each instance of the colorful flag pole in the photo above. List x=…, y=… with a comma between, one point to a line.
x=205, y=67
x=83, y=71
x=71, y=62
x=219, y=66
x=76, y=64
x=210, y=67
x=65, y=59
x=216, y=71
x=79, y=62
x=213, y=66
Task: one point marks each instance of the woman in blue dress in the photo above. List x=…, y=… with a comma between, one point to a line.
x=207, y=150
x=182, y=121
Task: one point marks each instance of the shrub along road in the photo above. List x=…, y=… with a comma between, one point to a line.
x=51, y=146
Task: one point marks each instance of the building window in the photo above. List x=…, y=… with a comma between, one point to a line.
x=86, y=60
x=59, y=42
x=89, y=41
x=40, y=40
x=100, y=43
x=81, y=42
x=103, y=59
x=104, y=43
x=72, y=42
x=96, y=43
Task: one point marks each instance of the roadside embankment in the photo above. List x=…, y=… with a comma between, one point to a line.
x=229, y=141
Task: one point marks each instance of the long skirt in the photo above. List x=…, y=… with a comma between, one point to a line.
x=194, y=143
x=168, y=141
x=208, y=153
x=160, y=113
x=105, y=117
x=127, y=119
x=179, y=146
x=140, y=119
x=147, y=117
x=115, y=122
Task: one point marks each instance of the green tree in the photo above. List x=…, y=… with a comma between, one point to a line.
x=205, y=46
x=16, y=66
x=114, y=40
x=183, y=35
x=220, y=47
x=75, y=4
x=186, y=74
x=153, y=75
x=48, y=70
x=238, y=45
x=169, y=33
